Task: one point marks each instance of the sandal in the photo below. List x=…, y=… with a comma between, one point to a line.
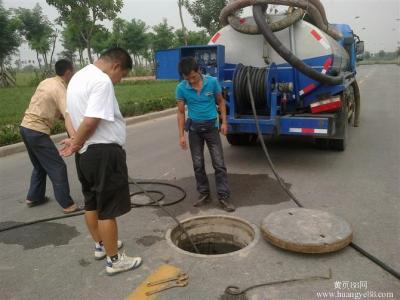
x=36, y=203
x=74, y=210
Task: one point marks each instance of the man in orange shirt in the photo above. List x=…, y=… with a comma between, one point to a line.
x=48, y=104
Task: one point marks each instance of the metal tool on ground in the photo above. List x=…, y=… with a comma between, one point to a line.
x=163, y=278
x=170, y=285
x=235, y=290
x=178, y=278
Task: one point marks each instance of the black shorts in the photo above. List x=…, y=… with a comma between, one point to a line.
x=103, y=174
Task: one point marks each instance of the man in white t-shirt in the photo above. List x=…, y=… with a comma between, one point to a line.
x=101, y=160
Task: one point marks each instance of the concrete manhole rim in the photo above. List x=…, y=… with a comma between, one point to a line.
x=238, y=252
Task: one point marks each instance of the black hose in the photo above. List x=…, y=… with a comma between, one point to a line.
x=132, y=205
x=287, y=54
x=247, y=28
x=298, y=203
x=241, y=95
x=156, y=201
x=166, y=211
x=313, y=8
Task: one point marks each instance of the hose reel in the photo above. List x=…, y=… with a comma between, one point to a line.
x=258, y=78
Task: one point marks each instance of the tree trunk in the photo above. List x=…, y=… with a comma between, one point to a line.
x=80, y=57
x=89, y=50
x=46, y=63
x=38, y=59
x=185, y=35
x=52, y=51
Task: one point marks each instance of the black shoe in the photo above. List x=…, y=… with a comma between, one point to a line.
x=203, y=199
x=226, y=204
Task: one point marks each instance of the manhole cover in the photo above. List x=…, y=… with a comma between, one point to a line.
x=216, y=235
x=306, y=230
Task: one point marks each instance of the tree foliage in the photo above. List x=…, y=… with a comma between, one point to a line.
x=205, y=13
x=193, y=38
x=37, y=30
x=163, y=36
x=135, y=38
x=73, y=41
x=101, y=39
x=9, y=42
x=84, y=14
x=117, y=34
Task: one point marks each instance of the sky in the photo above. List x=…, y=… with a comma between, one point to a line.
x=377, y=22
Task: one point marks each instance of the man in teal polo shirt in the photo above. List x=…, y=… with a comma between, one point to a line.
x=201, y=93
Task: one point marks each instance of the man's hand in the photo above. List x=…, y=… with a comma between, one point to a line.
x=69, y=147
x=182, y=142
x=224, y=128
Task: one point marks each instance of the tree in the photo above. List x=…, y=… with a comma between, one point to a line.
x=9, y=43
x=72, y=41
x=135, y=38
x=37, y=31
x=205, y=13
x=117, y=35
x=163, y=36
x=101, y=39
x=85, y=13
x=193, y=38
x=184, y=31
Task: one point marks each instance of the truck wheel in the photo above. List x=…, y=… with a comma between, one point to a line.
x=338, y=144
x=243, y=139
x=322, y=144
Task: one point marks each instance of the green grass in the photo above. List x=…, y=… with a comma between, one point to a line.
x=134, y=97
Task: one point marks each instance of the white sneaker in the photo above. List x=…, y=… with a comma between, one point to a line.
x=100, y=252
x=124, y=263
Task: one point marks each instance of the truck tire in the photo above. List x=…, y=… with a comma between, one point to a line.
x=242, y=139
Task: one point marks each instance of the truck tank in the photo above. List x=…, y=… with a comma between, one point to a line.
x=305, y=40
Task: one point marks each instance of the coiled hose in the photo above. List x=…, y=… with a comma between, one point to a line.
x=317, y=13
x=242, y=97
x=313, y=8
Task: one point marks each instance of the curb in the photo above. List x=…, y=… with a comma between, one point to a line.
x=20, y=147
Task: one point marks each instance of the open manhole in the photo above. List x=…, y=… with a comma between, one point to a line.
x=216, y=235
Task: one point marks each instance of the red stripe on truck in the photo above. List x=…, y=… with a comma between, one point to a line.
x=215, y=37
x=328, y=63
x=326, y=105
x=307, y=130
x=316, y=34
x=308, y=88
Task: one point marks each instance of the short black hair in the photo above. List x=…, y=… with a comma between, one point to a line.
x=187, y=65
x=62, y=66
x=120, y=55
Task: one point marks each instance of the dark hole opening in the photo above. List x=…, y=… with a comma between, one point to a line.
x=210, y=246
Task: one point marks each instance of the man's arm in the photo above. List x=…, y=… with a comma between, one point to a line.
x=181, y=123
x=85, y=130
x=222, y=110
x=68, y=125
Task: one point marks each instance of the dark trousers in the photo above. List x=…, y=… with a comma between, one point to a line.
x=46, y=161
x=213, y=141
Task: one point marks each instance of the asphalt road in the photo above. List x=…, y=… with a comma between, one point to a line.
x=362, y=184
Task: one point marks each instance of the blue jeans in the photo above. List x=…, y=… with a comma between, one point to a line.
x=213, y=141
x=46, y=161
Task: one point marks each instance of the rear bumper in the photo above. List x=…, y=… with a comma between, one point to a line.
x=323, y=125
